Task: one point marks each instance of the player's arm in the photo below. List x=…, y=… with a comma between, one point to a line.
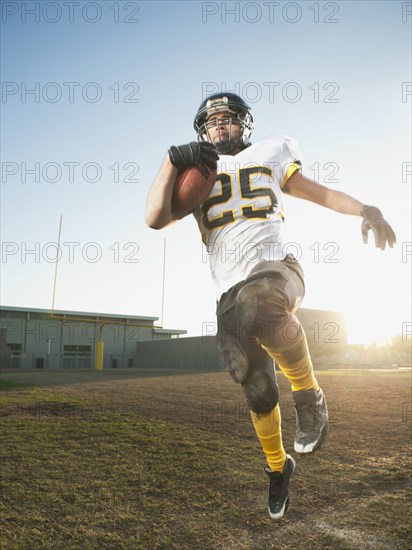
x=302, y=187
x=159, y=200
x=159, y=212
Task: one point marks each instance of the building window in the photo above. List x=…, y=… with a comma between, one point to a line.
x=15, y=348
x=84, y=349
x=130, y=363
x=71, y=349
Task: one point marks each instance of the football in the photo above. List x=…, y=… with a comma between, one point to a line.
x=191, y=189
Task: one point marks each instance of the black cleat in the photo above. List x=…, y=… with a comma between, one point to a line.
x=311, y=420
x=278, y=501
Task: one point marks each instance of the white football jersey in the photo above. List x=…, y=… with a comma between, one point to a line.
x=242, y=220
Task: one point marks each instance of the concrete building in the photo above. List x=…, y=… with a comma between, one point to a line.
x=33, y=338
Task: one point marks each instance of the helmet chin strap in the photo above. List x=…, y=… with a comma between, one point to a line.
x=230, y=147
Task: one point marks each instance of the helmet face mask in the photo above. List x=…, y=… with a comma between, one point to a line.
x=224, y=139
x=238, y=113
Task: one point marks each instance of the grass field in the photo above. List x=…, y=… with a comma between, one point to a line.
x=148, y=460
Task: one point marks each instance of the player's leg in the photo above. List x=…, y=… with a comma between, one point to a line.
x=262, y=395
x=268, y=300
x=259, y=385
x=251, y=366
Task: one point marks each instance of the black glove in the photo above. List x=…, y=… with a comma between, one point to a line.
x=383, y=232
x=201, y=154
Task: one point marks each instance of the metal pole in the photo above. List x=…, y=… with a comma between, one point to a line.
x=57, y=263
x=163, y=284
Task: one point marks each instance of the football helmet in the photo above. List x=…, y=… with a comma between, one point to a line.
x=238, y=112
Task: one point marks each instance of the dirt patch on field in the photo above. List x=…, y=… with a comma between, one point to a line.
x=187, y=443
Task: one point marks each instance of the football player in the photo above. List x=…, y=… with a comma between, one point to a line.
x=259, y=286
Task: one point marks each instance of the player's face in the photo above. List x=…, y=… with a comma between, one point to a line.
x=222, y=127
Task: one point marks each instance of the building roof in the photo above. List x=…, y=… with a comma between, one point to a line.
x=88, y=315
x=169, y=331
x=78, y=313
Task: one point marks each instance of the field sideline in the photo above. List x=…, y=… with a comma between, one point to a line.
x=153, y=460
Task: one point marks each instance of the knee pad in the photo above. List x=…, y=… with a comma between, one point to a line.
x=234, y=356
x=261, y=390
x=239, y=352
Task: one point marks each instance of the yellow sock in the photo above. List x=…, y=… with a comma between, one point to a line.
x=293, y=358
x=269, y=431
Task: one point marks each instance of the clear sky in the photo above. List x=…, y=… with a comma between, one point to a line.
x=94, y=93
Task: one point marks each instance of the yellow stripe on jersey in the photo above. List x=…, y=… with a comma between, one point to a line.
x=291, y=170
